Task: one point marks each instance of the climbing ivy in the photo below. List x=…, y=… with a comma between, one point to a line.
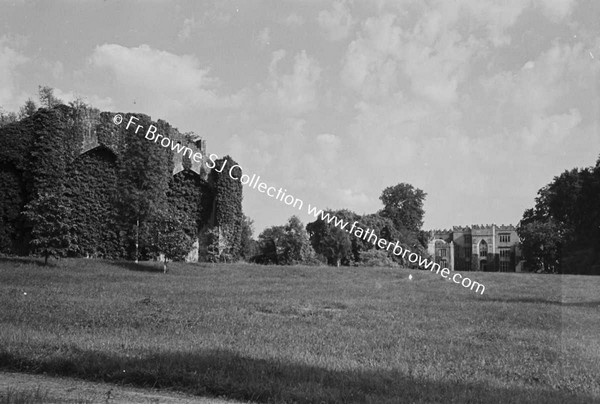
x=185, y=196
x=91, y=186
x=228, y=204
x=112, y=180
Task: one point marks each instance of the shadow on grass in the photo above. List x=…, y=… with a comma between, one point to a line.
x=223, y=373
x=539, y=300
x=140, y=267
x=52, y=263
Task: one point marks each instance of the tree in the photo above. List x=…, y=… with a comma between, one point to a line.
x=171, y=241
x=47, y=98
x=248, y=244
x=50, y=232
x=269, y=245
x=7, y=117
x=541, y=243
x=562, y=231
x=330, y=241
x=83, y=115
x=135, y=208
x=285, y=245
x=28, y=109
x=296, y=245
x=381, y=226
x=403, y=204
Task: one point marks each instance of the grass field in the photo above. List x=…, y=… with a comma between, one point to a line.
x=305, y=334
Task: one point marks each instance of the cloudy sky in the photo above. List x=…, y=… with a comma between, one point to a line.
x=478, y=102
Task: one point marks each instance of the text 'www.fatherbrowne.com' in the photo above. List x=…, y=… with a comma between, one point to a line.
x=235, y=172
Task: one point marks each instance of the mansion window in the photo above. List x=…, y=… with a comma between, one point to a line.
x=468, y=238
x=504, y=266
x=505, y=238
x=442, y=253
x=505, y=253
x=483, y=249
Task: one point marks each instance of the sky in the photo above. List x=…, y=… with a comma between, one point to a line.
x=479, y=103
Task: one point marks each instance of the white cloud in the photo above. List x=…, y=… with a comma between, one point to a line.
x=548, y=131
x=276, y=57
x=10, y=60
x=328, y=145
x=328, y=140
x=188, y=27
x=177, y=81
x=336, y=22
x=102, y=103
x=353, y=200
x=221, y=13
x=385, y=58
x=294, y=93
x=370, y=66
x=496, y=18
x=264, y=37
x=293, y=20
x=556, y=9
x=556, y=82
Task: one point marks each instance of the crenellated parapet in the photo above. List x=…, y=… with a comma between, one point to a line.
x=97, y=130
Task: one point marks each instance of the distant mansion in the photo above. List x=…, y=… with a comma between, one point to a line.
x=477, y=248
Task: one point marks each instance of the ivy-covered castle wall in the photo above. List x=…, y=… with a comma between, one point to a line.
x=111, y=179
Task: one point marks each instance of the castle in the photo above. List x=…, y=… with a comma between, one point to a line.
x=110, y=179
x=477, y=248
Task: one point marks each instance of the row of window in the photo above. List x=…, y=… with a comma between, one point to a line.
x=503, y=252
x=504, y=266
x=504, y=238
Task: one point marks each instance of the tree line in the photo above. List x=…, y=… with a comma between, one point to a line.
x=561, y=233
x=321, y=242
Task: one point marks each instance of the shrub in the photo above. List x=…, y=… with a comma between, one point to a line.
x=376, y=258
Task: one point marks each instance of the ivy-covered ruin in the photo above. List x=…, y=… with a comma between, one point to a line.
x=113, y=181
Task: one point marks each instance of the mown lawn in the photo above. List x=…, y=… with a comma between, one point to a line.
x=305, y=334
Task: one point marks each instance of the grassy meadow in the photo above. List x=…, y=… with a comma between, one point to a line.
x=304, y=334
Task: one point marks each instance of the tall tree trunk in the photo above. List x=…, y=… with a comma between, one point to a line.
x=165, y=265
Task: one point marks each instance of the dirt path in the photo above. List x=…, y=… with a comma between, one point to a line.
x=36, y=389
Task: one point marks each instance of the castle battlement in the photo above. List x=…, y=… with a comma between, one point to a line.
x=478, y=247
x=95, y=134
x=501, y=227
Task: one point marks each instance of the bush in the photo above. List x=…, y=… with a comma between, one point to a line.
x=376, y=258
